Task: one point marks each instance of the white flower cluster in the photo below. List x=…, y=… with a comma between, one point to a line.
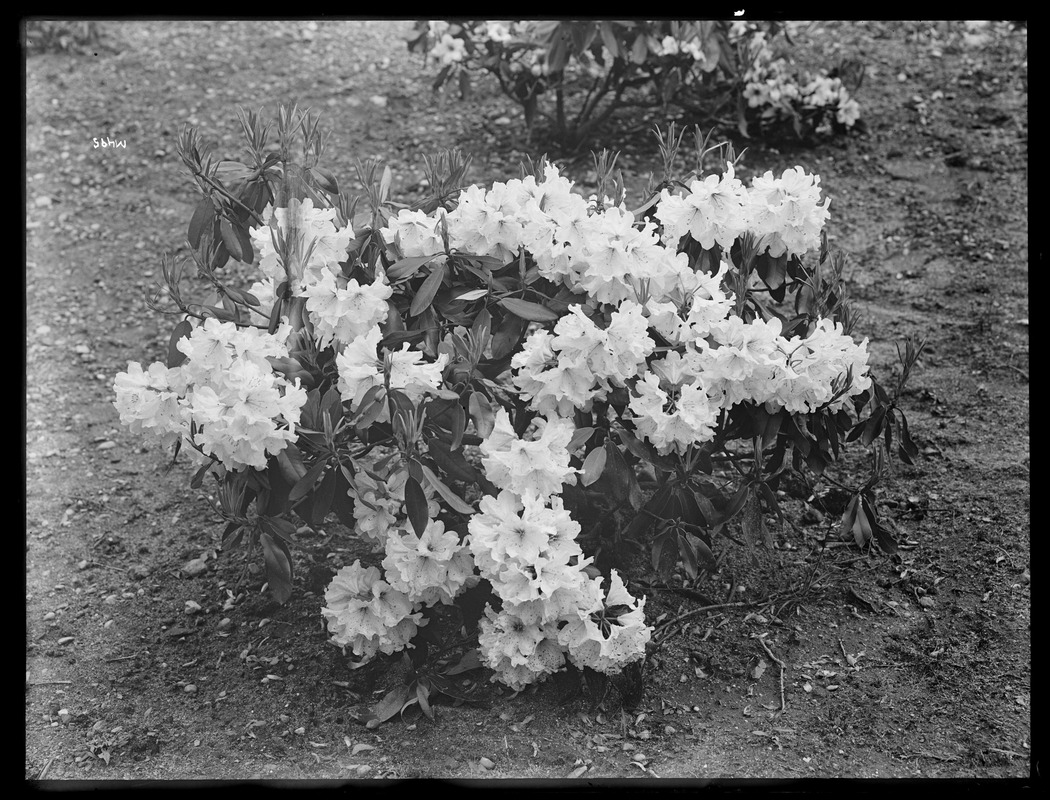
x=305, y=228
x=369, y=610
x=773, y=85
x=580, y=362
x=524, y=543
x=368, y=615
x=224, y=399
x=430, y=568
x=714, y=211
x=446, y=48
x=672, y=46
x=343, y=310
x=786, y=213
x=340, y=310
x=360, y=367
x=635, y=271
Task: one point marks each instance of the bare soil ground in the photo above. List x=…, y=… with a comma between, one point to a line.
x=912, y=665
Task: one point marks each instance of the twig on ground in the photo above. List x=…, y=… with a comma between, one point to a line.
x=780, y=664
x=655, y=643
x=1008, y=753
x=121, y=658
x=1019, y=371
x=50, y=683
x=935, y=756
x=47, y=766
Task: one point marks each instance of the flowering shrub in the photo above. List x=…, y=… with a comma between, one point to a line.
x=477, y=387
x=712, y=70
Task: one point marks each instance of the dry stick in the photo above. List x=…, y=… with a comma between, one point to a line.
x=780, y=664
x=49, y=683
x=655, y=644
x=47, y=766
x=1019, y=371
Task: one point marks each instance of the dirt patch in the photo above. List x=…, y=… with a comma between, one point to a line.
x=917, y=664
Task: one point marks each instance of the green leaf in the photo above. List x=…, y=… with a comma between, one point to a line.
x=290, y=462
x=640, y=50
x=579, y=438
x=198, y=476
x=416, y=503
x=459, y=426
x=229, y=238
x=617, y=472
x=770, y=500
x=203, y=216
x=176, y=356
x=369, y=413
x=712, y=518
x=323, y=499
x=861, y=526
x=425, y=295
x=873, y=426
x=688, y=554
x=609, y=39
x=906, y=448
x=702, y=551
x=772, y=428
x=481, y=412
x=883, y=536
x=470, y=661
x=532, y=312
x=659, y=545
x=326, y=180
x=422, y=693
x=342, y=502
x=508, y=334
x=392, y=702
x=473, y=294
x=593, y=466
x=218, y=313
x=306, y=482
x=849, y=516
x=332, y=402
x=450, y=497
x=452, y=463
x=278, y=567
x=645, y=451
x=407, y=267
x=395, y=339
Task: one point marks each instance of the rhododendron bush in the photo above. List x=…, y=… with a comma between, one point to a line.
x=571, y=75
x=501, y=390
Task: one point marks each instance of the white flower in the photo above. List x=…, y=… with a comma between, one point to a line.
x=366, y=614
x=674, y=420
x=341, y=311
x=306, y=229
x=714, y=211
x=428, y=568
x=146, y=403
x=609, y=635
x=448, y=49
x=360, y=368
x=539, y=467
x=416, y=233
x=243, y=411
x=786, y=213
